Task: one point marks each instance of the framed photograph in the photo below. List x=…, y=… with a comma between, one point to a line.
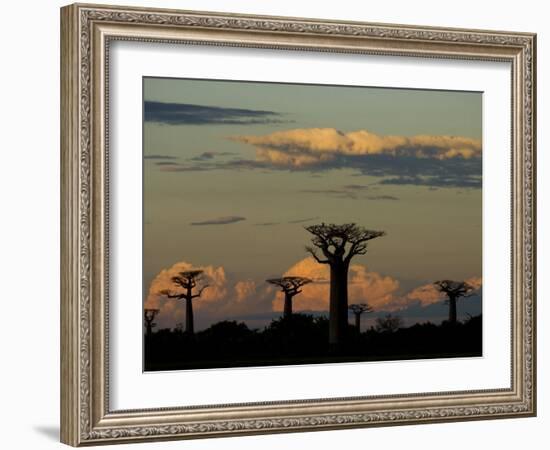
x=268, y=221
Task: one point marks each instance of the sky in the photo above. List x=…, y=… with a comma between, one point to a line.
x=234, y=170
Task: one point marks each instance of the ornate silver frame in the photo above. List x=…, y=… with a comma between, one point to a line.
x=86, y=31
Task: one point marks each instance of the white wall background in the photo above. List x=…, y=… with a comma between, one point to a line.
x=29, y=233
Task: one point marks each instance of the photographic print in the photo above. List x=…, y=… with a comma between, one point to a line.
x=293, y=224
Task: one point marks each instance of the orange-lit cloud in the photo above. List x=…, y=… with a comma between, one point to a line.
x=222, y=299
x=213, y=276
x=475, y=282
x=225, y=299
x=379, y=291
x=428, y=294
x=245, y=290
x=425, y=295
x=310, y=146
x=363, y=286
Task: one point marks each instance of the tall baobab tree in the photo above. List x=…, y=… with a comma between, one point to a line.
x=357, y=309
x=454, y=290
x=187, y=281
x=338, y=245
x=291, y=287
x=148, y=316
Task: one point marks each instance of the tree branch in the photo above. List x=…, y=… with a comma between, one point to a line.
x=312, y=252
x=198, y=294
x=169, y=294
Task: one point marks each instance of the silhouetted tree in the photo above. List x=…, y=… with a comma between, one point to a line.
x=187, y=280
x=454, y=290
x=357, y=309
x=339, y=244
x=291, y=287
x=296, y=334
x=148, y=316
x=226, y=337
x=388, y=324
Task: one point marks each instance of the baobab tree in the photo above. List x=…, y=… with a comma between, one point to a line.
x=291, y=287
x=338, y=245
x=187, y=281
x=357, y=309
x=388, y=324
x=454, y=290
x=148, y=316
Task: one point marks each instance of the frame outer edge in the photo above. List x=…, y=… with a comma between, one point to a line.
x=81, y=413
x=70, y=298
x=533, y=229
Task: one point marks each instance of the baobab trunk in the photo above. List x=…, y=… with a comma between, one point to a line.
x=452, y=310
x=189, y=326
x=288, y=305
x=358, y=322
x=338, y=308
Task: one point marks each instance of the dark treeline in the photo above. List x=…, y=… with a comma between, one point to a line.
x=303, y=339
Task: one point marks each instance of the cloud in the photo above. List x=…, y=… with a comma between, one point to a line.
x=308, y=219
x=425, y=295
x=183, y=168
x=428, y=294
x=203, y=156
x=443, y=161
x=339, y=193
x=308, y=145
x=244, y=290
x=363, y=286
x=423, y=160
x=206, y=156
x=449, y=180
x=267, y=224
x=166, y=163
x=228, y=297
x=172, y=311
x=220, y=220
x=475, y=282
x=223, y=299
x=352, y=192
x=206, y=165
x=382, y=292
x=381, y=197
x=357, y=187
x=190, y=114
x=159, y=157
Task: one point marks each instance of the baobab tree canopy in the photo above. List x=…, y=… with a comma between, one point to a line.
x=360, y=308
x=454, y=288
x=187, y=280
x=291, y=287
x=340, y=243
x=290, y=284
x=149, y=315
x=454, y=291
x=357, y=309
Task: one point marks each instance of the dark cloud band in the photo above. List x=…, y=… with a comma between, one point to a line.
x=220, y=221
x=189, y=114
